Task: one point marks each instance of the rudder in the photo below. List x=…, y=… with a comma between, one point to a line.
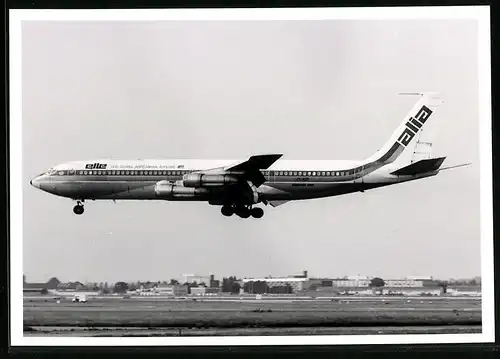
x=412, y=140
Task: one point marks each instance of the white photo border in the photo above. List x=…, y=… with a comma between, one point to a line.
x=479, y=13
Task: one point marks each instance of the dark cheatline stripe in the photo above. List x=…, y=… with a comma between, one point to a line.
x=153, y=175
x=385, y=158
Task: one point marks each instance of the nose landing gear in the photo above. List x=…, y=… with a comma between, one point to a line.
x=78, y=209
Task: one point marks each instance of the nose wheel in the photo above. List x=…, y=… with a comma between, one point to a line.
x=78, y=209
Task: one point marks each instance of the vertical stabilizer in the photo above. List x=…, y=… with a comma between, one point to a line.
x=412, y=140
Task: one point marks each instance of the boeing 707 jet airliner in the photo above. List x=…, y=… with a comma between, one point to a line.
x=238, y=186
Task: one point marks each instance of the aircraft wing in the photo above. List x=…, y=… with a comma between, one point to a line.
x=250, y=169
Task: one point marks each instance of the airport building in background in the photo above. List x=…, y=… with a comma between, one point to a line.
x=357, y=284
x=192, y=278
x=201, y=290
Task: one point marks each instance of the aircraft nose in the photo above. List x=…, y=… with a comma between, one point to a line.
x=35, y=182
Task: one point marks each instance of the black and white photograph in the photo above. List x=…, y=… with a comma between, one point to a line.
x=251, y=176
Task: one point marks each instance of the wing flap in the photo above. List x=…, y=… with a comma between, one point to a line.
x=277, y=203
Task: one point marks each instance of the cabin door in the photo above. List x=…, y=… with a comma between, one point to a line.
x=358, y=175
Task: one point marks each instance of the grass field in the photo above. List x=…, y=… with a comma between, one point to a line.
x=253, y=314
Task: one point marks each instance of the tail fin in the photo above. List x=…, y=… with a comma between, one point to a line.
x=409, y=143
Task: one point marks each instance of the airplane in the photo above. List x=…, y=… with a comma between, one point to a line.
x=238, y=186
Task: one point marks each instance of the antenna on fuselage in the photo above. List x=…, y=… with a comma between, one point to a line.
x=430, y=93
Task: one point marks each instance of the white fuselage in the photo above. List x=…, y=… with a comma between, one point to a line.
x=136, y=179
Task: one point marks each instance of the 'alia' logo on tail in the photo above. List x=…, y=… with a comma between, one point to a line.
x=96, y=166
x=413, y=125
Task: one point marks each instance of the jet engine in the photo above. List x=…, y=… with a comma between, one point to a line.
x=207, y=180
x=165, y=190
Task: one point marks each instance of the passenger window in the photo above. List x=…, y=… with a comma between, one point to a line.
x=322, y=173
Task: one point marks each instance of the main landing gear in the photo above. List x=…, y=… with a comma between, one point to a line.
x=78, y=209
x=242, y=211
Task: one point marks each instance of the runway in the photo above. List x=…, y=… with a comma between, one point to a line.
x=163, y=317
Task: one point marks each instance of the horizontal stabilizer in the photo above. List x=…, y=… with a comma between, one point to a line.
x=419, y=167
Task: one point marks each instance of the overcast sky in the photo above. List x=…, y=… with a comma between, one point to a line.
x=307, y=89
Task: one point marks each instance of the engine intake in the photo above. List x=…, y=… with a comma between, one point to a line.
x=207, y=180
x=166, y=190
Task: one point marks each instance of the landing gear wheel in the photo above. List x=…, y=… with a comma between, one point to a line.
x=227, y=211
x=78, y=209
x=245, y=213
x=257, y=212
x=242, y=212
